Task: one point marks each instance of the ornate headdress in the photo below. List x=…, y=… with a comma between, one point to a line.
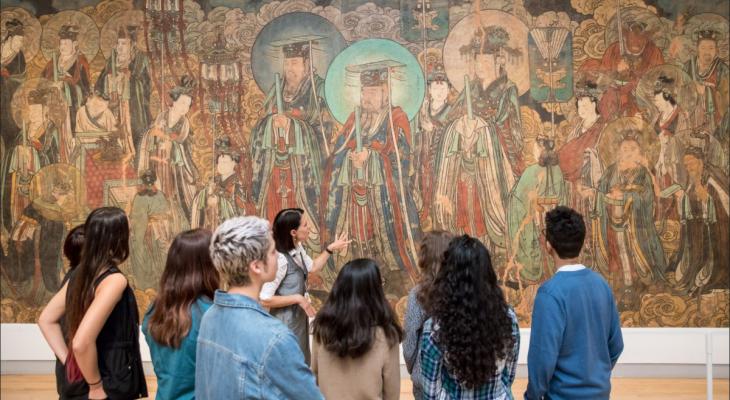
x=489, y=40
x=437, y=73
x=223, y=147
x=374, y=77
x=39, y=96
x=588, y=88
x=70, y=32
x=665, y=85
x=707, y=34
x=128, y=32
x=186, y=86
x=14, y=27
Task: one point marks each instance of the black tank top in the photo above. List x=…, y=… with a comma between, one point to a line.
x=120, y=362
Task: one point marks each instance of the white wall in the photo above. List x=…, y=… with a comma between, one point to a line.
x=642, y=346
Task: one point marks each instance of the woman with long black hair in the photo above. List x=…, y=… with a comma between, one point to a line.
x=102, y=351
x=285, y=296
x=470, y=344
x=356, y=336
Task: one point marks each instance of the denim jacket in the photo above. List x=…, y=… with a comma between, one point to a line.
x=245, y=353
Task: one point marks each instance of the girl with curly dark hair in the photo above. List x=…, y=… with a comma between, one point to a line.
x=470, y=344
x=430, y=255
x=356, y=336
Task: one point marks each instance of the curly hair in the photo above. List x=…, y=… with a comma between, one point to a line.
x=474, y=326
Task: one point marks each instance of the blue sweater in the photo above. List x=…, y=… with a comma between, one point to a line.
x=575, y=339
x=175, y=368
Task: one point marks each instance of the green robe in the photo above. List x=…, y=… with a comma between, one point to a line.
x=538, y=190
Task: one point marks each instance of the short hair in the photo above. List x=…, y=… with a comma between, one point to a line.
x=565, y=231
x=235, y=244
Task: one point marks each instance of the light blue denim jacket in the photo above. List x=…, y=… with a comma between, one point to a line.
x=245, y=353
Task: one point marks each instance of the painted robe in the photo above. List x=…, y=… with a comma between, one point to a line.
x=427, y=147
x=287, y=165
x=231, y=201
x=131, y=96
x=630, y=252
x=475, y=177
x=619, y=99
x=76, y=88
x=12, y=75
x=167, y=150
x=371, y=210
x=539, y=190
x=499, y=106
x=703, y=263
x=153, y=229
x=712, y=105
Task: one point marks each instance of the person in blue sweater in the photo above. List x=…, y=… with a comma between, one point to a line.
x=575, y=339
x=172, y=323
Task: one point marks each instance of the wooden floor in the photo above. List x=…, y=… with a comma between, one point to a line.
x=37, y=387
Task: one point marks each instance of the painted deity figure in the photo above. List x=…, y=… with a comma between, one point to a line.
x=12, y=75
x=703, y=263
x=624, y=64
x=125, y=81
x=225, y=196
x=366, y=193
x=494, y=95
x=153, y=229
x=630, y=253
x=70, y=71
x=289, y=144
x=166, y=149
x=712, y=78
x=34, y=265
x=541, y=188
x=672, y=126
x=436, y=114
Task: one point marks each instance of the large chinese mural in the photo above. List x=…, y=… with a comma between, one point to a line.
x=381, y=119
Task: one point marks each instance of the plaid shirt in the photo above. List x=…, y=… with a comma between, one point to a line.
x=438, y=384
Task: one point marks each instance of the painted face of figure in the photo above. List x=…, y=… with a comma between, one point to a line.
x=635, y=41
x=35, y=114
x=124, y=48
x=16, y=43
x=660, y=102
x=706, y=51
x=295, y=69
x=629, y=151
x=302, y=233
x=181, y=106
x=586, y=107
x=373, y=98
x=67, y=47
x=439, y=91
x=60, y=195
x=225, y=165
x=485, y=67
x=694, y=165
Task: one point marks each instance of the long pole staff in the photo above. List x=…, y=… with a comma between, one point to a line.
x=411, y=243
x=316, y=100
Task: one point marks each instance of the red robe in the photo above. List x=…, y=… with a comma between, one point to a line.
x=570, y=156
x=619, y=101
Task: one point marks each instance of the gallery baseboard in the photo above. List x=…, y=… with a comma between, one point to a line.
x=648, y=352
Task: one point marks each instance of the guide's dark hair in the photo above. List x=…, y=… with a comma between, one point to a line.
x=285, y=221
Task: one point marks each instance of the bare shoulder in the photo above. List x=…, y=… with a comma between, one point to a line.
x=113, y=284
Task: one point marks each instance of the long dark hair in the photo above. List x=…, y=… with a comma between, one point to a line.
x=189, y=274
x=284, y=222
x=106, y=245
x=355, y=307
x=475, y=329
x=72, y=246
x=430, y=257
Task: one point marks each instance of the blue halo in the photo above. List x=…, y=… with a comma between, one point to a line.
x=267, y=60
x=342, y=89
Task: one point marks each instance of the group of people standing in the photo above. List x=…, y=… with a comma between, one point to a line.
x=231, y=319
